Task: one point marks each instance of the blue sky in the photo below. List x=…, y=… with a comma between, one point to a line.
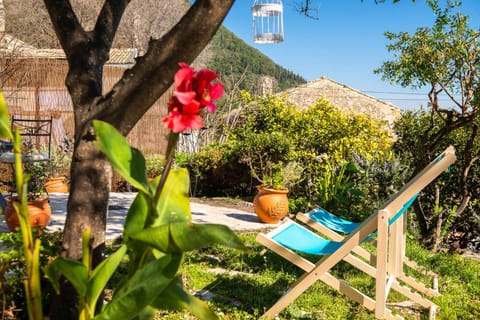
x=346, y=43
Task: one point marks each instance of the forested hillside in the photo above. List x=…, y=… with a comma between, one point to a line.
x=227, y=54
x=232, y=57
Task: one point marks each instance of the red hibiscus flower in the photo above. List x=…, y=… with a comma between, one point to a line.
x=193, y=92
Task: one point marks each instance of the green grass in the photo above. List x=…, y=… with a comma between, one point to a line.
x=244, y=286
x=251, y=283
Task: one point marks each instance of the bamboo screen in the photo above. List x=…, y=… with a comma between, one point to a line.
x=38, y=91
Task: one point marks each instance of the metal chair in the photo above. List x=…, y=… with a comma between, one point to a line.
x=36, y=140
x=36, y=147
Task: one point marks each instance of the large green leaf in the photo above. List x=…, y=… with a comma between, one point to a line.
x=4, y=120
x=137, y=215
x=128, y=161
x=147, y=313
x=174, y=203
x=174, y=297
x=73, y=270
x=102, y=273
x=139, y=291
x=185, y=236
x=156, y=237
x=135, y=221
x=195, y=236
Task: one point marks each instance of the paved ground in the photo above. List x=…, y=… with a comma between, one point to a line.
x=119, y=203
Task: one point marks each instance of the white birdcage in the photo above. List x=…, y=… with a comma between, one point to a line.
x=267, y=21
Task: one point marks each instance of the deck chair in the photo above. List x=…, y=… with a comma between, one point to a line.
x=292, y=237
x=335, y=228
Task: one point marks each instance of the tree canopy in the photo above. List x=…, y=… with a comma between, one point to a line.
x=445, y=59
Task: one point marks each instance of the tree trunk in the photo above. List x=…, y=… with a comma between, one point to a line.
x=64, y=306
x=123, y=106
x=437, y=230
x=422, y=222
x=87, y=205
x=88, y=200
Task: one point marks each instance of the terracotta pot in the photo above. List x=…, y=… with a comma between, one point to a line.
x=57, y=184
x=271, y=205
x=39, y=210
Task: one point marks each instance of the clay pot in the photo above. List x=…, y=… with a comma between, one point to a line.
x=57, y=184
x=39, y=210
x=271, y=205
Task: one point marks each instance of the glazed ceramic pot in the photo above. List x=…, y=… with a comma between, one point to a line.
x=271, y=205
x=57, y=184
x=39, y=211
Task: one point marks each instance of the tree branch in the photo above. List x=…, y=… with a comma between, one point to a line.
x=107, y=23
x=469, y=160
x=436, y=141
x=65, y=23
x=461, y=105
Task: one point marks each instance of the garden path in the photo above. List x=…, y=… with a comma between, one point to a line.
x=237, y=219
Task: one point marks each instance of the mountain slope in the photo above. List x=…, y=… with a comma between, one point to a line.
x=227, y=54
x=231, y=56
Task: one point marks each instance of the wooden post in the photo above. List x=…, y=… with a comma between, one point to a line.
x=382, y=260
x=37, y=112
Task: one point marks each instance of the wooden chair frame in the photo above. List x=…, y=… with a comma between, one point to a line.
x=371, y=258
x=390, y=250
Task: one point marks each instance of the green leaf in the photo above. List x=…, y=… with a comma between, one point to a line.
x=73, y=270
x=190, y=236
x=136, y=221
x=176, y=259
x=137, y=215
x=138, y=292
x=174, y=297
x=156, y=237
x=102, y=273
x=186, y=236
x=34, y=299
x=128, y=161
x=351, y=167
x=5, y=131
x=174, y=203
x=147, y=313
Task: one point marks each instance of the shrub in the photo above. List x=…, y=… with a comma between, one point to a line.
x=12, y=270
x=217, y=171
x=155, y=166
x=275, y=130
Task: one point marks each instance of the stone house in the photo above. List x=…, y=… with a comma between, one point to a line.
x=343, y=97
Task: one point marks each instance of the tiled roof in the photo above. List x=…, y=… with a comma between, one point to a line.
x=18, y=47
x=117, y=56
x=10, y=43
x=344, y=97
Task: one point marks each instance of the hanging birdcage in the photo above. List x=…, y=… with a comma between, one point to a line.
x=267, y=21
